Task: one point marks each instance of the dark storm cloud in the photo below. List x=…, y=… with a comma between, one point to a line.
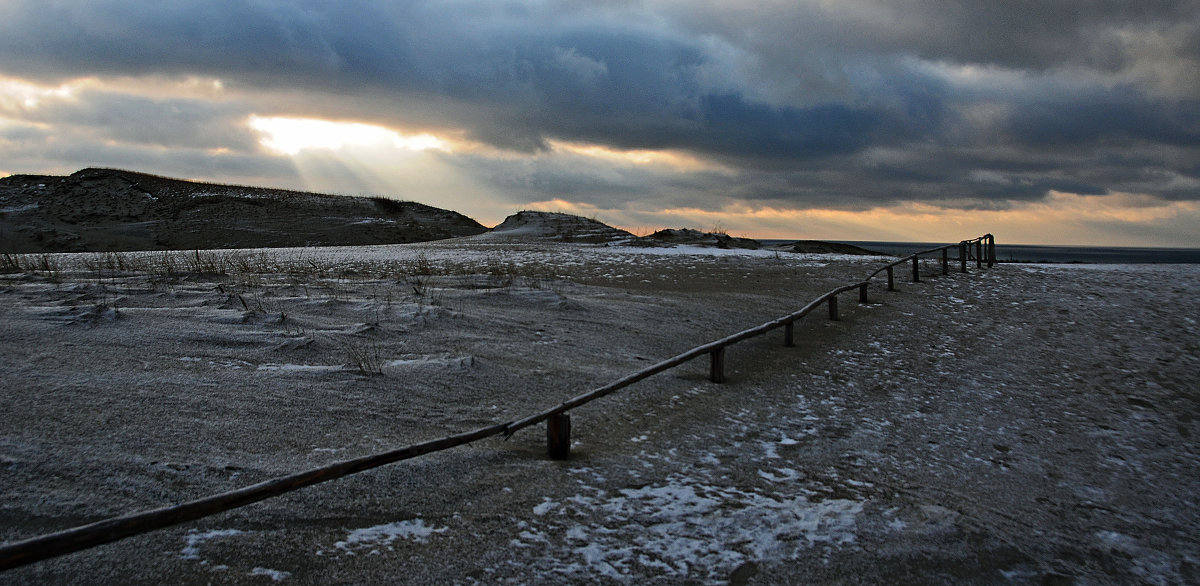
x=1114, y=115
x=63, y=39
x=972, y=100
x=1020, y=34
x=587, y=80
x=1039, y=34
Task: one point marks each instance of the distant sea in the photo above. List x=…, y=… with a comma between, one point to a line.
x=1056, y=254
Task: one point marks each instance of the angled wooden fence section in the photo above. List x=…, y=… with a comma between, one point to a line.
x=558, y=427
x=558, y=430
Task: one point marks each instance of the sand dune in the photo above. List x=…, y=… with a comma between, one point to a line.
x=115, y=210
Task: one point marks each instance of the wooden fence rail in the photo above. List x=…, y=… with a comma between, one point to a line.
x=558, y=442
x=711, y=348
x=25, y=552
x=71, y=540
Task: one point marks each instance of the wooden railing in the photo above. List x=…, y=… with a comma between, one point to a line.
x=984, y=252
x=557, y=430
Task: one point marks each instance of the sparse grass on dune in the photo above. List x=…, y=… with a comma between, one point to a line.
x=250, y=266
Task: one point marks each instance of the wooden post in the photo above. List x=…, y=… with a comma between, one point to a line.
x=558, y=436
x=833, y=308
x=979, y=253
x=945, y=261
x=916, y=270
x=991, y=251
x=789, y=330
x=891, y=280
x=717, y=367
x=862, y=293
x=962, y=255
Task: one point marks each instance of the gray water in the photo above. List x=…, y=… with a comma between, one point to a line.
x=1056, y=254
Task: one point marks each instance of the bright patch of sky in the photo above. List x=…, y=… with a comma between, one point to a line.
x=289, y=136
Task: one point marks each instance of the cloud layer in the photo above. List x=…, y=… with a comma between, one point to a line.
x=857, y=105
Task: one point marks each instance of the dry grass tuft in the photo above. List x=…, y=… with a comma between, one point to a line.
x=365, y=356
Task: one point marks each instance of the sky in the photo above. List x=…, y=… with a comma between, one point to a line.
x=1042, y=122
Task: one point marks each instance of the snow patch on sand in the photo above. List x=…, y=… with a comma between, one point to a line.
x=300, y=368
x=274, y=575
x=194, y=539
x=384, y=535
x=682, y=526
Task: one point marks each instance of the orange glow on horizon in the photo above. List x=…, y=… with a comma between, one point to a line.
x=1059, y=219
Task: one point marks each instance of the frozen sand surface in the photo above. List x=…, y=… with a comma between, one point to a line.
x=1018, y=424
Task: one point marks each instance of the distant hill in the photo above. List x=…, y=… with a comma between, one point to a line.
x=110, y=209
x=692, y=237
x=822, y=247
x=555, y=227
x=113, y=210
x=531, y=226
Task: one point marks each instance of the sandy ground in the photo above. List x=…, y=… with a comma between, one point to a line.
x=1024, y=424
